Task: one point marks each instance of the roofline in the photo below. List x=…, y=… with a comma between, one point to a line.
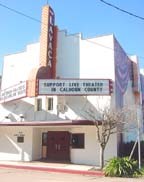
x=50, y=123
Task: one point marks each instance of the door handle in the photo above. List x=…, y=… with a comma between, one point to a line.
x=59, y=146
x=56, y=146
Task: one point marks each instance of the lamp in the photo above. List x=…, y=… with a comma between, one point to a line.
x=6, y=117
x=21, y=116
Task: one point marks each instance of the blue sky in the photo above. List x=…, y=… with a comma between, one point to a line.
x=91, y=18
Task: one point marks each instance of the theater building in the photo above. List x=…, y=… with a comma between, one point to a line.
x=46, y=90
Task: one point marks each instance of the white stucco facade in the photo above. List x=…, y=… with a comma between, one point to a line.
x=19, y=65
x=77, y=58
x=73, y=62
x=31, y=149
x=13, y=151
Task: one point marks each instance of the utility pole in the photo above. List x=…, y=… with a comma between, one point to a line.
x=139, y=138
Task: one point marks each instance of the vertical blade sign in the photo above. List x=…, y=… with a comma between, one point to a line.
x=50, y=38
x=47, y=40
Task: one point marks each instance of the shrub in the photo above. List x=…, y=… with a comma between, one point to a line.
x=121, y=167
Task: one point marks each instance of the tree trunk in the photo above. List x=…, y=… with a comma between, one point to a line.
x=101, y=157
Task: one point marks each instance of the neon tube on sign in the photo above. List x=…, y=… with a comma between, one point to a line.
x=50, y=37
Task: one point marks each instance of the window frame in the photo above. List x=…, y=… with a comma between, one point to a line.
x=20, y=139
x=49, y=103
x=38, y=104
x=78, y=140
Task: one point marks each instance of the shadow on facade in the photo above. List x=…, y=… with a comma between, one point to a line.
x=17, y=108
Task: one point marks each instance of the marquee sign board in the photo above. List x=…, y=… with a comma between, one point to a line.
x=15, y=92
x=74, y=87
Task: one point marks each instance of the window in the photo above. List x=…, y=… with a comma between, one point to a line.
x=38, y=104
x=49, y=103
x=77, y=140
x=20, y=139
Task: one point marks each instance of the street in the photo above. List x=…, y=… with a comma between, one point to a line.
x=20, y=175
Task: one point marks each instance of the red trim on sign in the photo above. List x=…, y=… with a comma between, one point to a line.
x=54, y=52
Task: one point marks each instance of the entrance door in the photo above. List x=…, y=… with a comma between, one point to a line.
x=58, y=145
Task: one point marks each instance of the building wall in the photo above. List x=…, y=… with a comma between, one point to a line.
x=130, y=106
x=136, y=75
x=85, y=58
x=89, y=155
x=12, y=150
x=26, y=107
x=32, y=147
x=0, y=81
x=68, y=55
x=97, y=57
x=17, y=67
x=76, y=58
x=132, y=101
x=36, y=144
x=142, y=97
x=72, y=56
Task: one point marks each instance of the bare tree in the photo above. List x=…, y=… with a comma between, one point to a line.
x=109, y=121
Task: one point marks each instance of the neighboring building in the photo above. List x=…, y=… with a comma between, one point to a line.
x=0, y=81
x=142, y=94
x=46, y=89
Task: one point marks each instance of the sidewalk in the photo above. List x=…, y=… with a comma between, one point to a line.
x=53, y=167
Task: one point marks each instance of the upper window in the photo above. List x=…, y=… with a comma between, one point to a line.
x=38, y=104
x=49, y=103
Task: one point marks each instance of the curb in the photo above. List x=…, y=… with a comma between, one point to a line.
x=49, y=169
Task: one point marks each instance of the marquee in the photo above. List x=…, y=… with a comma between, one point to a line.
x=15, y=92
x=74, y=87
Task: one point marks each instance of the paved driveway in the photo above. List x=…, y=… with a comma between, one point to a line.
x=20, y=175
